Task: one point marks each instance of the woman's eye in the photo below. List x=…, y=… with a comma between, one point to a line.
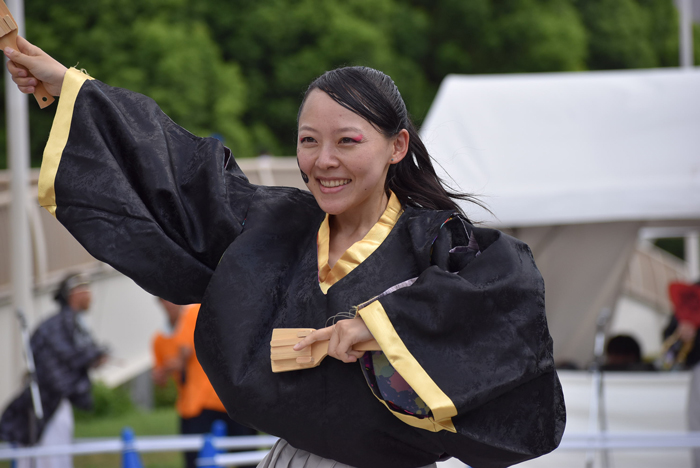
x=307, y=139
x=347, y=140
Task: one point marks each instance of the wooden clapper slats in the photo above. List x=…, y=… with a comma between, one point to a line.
x=284, y=358
x=8, y=38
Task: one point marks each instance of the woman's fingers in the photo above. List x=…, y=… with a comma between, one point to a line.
x=339, y=346
x=27, y=89
x=354, y=356
x=31, y=60
x=346, y=334
x=19, y=59
x=16, y=69
x=28, y=48
x=316, y=335
x=25, y=81
x=20, y=74
x=341, y=338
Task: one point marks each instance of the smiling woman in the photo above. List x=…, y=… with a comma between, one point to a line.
x=465, y=367
x=346, y=159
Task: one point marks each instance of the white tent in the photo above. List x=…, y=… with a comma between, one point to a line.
x=574, y=164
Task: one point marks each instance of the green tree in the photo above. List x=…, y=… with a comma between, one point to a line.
x=696, y=44
x=282, y=46
x=662, y=18
x=619, y=32
x=239, y=68
x=506, y=36
x=150, y=47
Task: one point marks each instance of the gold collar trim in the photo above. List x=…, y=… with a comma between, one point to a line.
x=359, y=251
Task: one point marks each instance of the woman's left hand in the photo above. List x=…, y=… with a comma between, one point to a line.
x=341, y=336
x=31, y=59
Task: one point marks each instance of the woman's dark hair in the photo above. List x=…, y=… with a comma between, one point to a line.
x=373, y=96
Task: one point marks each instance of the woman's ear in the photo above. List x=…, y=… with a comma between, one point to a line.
x=400, y=147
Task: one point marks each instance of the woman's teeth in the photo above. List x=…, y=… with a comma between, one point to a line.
x=334, y=183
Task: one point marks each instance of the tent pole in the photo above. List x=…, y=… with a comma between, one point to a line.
x=685, y=16
x=597, y=417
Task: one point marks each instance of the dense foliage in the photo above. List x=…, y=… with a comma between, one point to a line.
x=237, y=68
x=107, y=402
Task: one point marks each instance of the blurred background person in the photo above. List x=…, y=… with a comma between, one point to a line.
x=64, y=352
x=623, y=353
x=174, y=356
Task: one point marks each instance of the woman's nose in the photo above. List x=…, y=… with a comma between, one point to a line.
x=327, y=157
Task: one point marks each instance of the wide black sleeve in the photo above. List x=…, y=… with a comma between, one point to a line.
x=470, y=336
x=140, y=192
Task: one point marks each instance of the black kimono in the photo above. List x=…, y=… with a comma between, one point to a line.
x=467, y=331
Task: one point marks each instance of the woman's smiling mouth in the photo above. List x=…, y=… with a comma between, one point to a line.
x=334, y=183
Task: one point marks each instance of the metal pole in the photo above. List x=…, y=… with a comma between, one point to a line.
x=685, y=16
x=31, y=368
x=597, y=419
x=16, y=112
x=17, y=116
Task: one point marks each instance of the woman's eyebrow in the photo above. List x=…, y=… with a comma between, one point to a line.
x=348, y=129
x=309, y=128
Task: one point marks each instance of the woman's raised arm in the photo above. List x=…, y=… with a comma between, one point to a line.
x=30, y=58
x=138, y=191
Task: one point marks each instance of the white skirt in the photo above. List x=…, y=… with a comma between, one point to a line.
x=283, y=455
x=58, y=431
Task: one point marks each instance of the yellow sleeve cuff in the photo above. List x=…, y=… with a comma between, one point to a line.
x=58, y=138
x=402, y=360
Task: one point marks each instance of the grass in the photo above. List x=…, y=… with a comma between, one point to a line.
x=157, y=422
x=162, y=421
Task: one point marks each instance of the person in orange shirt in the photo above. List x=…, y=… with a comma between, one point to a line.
x=197, y=402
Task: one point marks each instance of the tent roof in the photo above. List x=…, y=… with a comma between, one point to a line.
x=565, y=148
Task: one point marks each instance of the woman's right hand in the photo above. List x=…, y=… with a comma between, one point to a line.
x=31, y=59
x=341, y=338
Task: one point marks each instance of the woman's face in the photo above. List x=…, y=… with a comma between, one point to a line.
x=345, y=158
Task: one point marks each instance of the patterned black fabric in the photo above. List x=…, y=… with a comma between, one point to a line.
x=176, y=214
x=63, y=353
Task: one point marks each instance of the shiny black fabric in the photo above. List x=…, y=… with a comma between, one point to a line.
x=175, y=213
x=145, y=195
